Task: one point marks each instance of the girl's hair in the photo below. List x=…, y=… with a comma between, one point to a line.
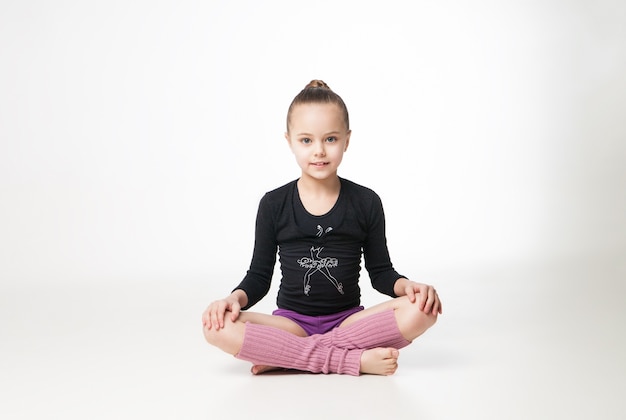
x=317, y=91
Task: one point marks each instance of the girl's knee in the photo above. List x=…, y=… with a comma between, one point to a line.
x=228, y=339
x=212, y=336
x=427, y=319
x=430, y=318
x=412, y=319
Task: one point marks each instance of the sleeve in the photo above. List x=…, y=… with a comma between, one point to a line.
x=377, y=260
x=258, y=278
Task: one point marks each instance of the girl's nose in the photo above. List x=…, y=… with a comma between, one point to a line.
x=319, y=149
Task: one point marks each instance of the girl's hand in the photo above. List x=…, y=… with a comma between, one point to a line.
x=425, y=295
x=213, y=316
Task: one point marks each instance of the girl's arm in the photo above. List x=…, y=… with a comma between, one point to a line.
x=377, y=260
x=256, y=283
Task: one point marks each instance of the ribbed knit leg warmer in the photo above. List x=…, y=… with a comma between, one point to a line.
x=270, y=346
x=338, y=351
x=376, y=330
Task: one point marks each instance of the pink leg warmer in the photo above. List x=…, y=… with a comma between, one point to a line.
x=270, y=346
x=338, y=351
x=376, y=330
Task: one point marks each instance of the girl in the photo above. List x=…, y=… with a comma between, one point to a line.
x=320, y=225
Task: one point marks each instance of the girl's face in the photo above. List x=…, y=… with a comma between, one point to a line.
x=318, y=137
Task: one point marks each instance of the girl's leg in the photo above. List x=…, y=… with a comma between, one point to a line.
x=368, y=345
x=230, y=338
x=283, y=332
x=397, y=319
x=377, y=329
x=269, y=346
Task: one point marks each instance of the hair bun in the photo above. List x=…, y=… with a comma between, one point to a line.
x=318, y=92
x=317, y=84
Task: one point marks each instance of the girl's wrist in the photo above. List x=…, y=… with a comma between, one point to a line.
x=399, y=287
x=241, y=297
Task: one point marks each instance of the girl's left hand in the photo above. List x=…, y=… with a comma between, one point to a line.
x=423, y=294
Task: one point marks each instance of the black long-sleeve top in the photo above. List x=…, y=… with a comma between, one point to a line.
x=320, y=256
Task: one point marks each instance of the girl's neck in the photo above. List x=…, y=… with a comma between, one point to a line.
x=313, y=186
x=318, y=196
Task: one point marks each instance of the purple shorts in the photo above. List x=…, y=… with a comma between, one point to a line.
x=317, y=324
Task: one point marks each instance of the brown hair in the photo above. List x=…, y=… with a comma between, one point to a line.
x=317, y=91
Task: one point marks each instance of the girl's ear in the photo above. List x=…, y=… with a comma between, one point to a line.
x=288, y=139
x=347, y=140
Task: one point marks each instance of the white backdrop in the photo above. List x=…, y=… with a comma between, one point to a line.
x=136, y=137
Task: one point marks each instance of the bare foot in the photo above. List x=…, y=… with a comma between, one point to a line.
x=379, y=361
x=259, y=369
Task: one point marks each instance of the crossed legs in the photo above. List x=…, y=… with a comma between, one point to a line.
x=366, y=342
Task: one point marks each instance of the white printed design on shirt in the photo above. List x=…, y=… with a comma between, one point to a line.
x=319, y=264
x=321, y=231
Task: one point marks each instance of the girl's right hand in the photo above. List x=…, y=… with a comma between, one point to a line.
x=213, y=316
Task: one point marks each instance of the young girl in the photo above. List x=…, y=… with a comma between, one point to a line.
x=320, y=225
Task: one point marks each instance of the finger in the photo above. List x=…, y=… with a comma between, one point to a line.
x=436, y=304
x=432, y=299
x=220, y=314
x=428, y=299
x=423, y=297
x=236, y=309
x=410, y=293
x=206, y=318
x=215, y=317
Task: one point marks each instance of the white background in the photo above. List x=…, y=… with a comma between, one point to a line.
x=136, y=137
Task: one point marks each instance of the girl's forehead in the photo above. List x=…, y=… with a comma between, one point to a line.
x=313, y=117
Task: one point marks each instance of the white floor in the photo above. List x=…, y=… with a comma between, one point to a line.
x=537, y=341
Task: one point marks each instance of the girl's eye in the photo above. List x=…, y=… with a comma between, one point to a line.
x=306, y=140
x=331, y=139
